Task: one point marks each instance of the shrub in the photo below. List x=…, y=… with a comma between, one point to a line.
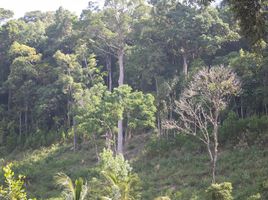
x=264, y=189
x=248, y=131
x=116, y=180
x=14, y=188
x=255, y=197
x=162, y=198
x=222, y=191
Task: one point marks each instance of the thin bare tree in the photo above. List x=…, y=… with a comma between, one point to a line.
x=200, y=105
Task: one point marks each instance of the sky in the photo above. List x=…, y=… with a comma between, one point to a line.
x=19, y=7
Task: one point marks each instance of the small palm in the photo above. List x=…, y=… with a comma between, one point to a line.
x=76, y=191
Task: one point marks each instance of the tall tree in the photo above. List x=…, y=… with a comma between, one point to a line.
x=116, y=22
x=252, y=15
x=21, y=81
x=191, y=31
x=5, y=14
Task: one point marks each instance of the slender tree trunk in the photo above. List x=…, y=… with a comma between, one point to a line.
x=121, y=67
x=120, y=82
x=96, y=147
x=158, y=113
x=26, y=118
x=185, y=65
x=236, y=107
x=109, y=69
x=211, y=157
x=170, y=108
x=20, y=126
x=241, y=109
x=209, y=152
x=215, y=149
x=68, y=114
x=120, y=137
x=108, y=60
x=9, y=100
x=75, y=134
x=159, y=124
x=214, y=161
x=108, y=137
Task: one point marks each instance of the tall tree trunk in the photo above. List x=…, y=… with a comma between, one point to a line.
x=185, y=65
x=108, y=60
x=109, y=69
x=120, y=137
x=121, y=66
x=120, y=82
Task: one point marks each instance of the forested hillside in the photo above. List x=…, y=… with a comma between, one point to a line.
x=159, y=99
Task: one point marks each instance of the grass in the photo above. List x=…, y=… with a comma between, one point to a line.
x=40, y=166
x=184, y=174
x=174, y=167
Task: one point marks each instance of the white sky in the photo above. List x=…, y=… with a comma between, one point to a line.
x=19, y=7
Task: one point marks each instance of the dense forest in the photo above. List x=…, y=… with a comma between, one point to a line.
x=143, y=80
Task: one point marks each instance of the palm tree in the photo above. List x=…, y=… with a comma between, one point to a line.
x=123, y=186
x=76, y=191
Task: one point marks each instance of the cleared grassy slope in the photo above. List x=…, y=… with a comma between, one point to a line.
x=176, y=168
x=186, y=175
x=40, y=166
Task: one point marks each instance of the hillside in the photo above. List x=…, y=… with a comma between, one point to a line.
x=174, y=167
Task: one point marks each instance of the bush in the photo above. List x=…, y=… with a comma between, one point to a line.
x=116, y=180
x=222, y=191
x=264, y=189
x=162, y=198
x=248, y=131
x=161, y=146
x=14, y=187
x=255, y=197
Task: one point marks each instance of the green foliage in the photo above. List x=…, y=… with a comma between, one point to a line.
x=222, y=191
x=255, y=197
x=100, y=109
x=162, y=198
x=76, y=191
x=251, y=67
x=252, y=19
x=114, y=164
x=116, y=180
x=51, y=77
x=161, y=146
x=248, y=131
x=14, y=189
x=5, y=14
x=264, y=188
x=176, y=172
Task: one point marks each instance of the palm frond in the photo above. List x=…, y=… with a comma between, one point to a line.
x=66, y=183
x=110, y=177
